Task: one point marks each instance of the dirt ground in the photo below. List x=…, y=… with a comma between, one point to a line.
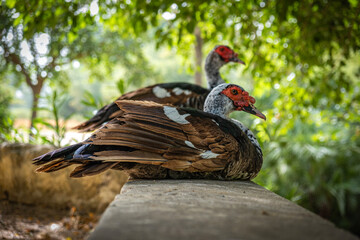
x=18, y=221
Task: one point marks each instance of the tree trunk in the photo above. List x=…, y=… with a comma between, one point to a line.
x=198, y=55
x=36, y=89
x=35, y=101
x=15, y=59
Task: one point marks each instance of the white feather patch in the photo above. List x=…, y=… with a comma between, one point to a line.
x=173, y=114
x=209, y=154
x=190, y=144
x=215, y=122
x=179, y=91
x=160, y=92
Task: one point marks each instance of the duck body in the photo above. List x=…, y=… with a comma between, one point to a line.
x=154, y=141
x=178, y=94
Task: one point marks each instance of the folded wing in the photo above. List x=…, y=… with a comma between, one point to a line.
x=176, y=94
x=151, y=134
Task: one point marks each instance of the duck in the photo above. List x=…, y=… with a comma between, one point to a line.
x=155, y=141
x=176, y=93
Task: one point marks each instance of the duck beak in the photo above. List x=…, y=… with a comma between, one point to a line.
x=253, y=110
x=235, y=58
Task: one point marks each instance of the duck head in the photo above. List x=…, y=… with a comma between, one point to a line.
x=226, y=98
x=226, y=54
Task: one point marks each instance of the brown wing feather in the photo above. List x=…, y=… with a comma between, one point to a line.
x=161, y=141
x=89, y=169
x=111, y=111
x=145, y=140
x=53, y=166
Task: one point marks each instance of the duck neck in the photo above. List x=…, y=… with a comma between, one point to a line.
x=213, y=63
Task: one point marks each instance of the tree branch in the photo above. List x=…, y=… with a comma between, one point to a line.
x=36, y=55
x=16, y=60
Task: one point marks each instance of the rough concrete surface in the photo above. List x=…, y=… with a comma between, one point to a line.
x=202, y=209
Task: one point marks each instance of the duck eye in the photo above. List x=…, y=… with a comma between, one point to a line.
x=234, y=91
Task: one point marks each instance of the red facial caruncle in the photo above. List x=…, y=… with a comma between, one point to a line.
x=226, y=53
x=241, y=98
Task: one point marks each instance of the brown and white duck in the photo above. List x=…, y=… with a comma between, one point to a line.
x=177, y=94
x=157, y=141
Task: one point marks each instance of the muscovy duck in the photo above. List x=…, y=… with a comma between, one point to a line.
x=177, y=94
x=154, y=141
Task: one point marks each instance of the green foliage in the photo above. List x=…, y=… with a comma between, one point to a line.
x=37, y=16
x=57, y=126
x=92, y=103
x=6, y=121
x=121, y=86
x=280, y=40
x=316, y=166
x=309, y=26
x=40, y=46
x=115, y=53
x=14, y=135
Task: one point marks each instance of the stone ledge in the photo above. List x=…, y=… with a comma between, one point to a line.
x=202, y=209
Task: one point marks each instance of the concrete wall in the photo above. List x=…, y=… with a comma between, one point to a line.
x=19, y=182
x=203, y=209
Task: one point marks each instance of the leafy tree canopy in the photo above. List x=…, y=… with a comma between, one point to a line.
x=298, y=47
x=39, y=38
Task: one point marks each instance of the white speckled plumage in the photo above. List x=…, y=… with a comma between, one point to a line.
x=218, y=104
x=209, y=155
x=179, y=91
x=190, y=144
x=173, y=114
x=160, y=92
x=249, y=134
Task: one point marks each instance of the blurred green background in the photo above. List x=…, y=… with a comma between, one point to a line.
x=62, y=60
